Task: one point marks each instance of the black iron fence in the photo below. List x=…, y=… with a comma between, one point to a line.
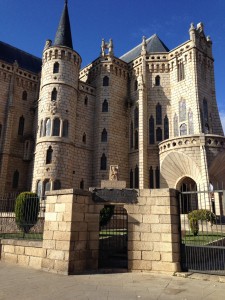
x=23, y=222
x=202, y=216
x=113, y=237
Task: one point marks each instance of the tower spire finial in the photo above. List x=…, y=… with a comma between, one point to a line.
x=63, y=35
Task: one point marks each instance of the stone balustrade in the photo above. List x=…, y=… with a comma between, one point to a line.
x=209, y=140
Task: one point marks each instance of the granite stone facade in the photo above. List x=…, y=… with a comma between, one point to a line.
x=152, y=112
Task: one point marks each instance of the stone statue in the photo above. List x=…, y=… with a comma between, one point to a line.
x=48, y=44
x=113, y=173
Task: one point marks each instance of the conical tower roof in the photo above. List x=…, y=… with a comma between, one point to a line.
x=63, y=35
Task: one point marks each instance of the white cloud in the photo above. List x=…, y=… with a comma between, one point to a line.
x=222, y=117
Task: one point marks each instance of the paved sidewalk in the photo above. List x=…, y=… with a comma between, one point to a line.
x=25, y=284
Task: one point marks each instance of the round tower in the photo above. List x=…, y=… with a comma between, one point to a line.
x=56, y=116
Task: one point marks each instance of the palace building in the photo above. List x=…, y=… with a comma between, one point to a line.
x=152, y=112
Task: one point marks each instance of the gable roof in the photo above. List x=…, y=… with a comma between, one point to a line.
x=154, y=44
x=25, y=60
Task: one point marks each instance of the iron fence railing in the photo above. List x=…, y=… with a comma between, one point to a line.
x=202, y=216
x=28, y=225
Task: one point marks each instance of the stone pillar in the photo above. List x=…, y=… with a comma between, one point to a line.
x=70, y=232
x=153, y=232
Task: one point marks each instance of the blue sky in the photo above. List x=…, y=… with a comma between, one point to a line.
x=26, y=24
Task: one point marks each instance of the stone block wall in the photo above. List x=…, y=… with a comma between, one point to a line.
x=71, y=234
x=22, y=252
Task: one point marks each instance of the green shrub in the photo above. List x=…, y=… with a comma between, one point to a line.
x=26, y=210
x=194, y=226
x=200, y=215
x=106, y=214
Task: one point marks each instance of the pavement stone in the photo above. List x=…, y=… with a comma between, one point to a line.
x=23, y=283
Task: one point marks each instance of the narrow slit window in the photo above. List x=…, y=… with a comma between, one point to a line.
x=21, y=126
x=103, y=162
x=106, y=81
x=54, y=95
x=104, y=136
x=49, y=155
x=56, y=68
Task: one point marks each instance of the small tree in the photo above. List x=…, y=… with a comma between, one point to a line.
x=200, y=215
x=106, y=214
x=26, y=210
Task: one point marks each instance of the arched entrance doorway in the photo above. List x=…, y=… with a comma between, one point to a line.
x=188, y=195
x=113, y=238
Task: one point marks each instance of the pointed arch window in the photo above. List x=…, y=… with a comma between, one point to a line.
x=86, y=100
x=84, y=138
x=47, y=131
x=46, y=186
x=157, y=178
x=206, y=128
x=54, y=94
x=180, y=71
x=16, y=176
x=158, y=134
x=65, y=131
x=136, y=140
x=166, y=128
x=151, y=178
x=24, y=95
x=27, y=150
x=49, y=155
x=106, y=81
x=39, y=188
x=131, y=179
x=151, y=131
x=182, y=110
x=104, y=136
x=57, y=185
x=135, y=85
x=205, y=110
x=105, y=106
x=157, y=80
x=136, y=177
x=136, y=117
x=82, y=184
x=183, y=129
x=21, y=126
x=56, y=68
x=158, y=114
x=175, y=125
x=103, y=162
x=190, y=122
x=131, y=135
x=56, y=127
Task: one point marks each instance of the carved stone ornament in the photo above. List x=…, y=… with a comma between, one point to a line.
x=48, y=44
x=53, y=107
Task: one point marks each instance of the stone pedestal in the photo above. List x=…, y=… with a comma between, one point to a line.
x=113, y=184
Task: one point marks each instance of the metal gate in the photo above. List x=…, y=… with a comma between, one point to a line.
x=113, y=238
x=202, y=216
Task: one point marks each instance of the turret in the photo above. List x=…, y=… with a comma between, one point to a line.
x=55, y=148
